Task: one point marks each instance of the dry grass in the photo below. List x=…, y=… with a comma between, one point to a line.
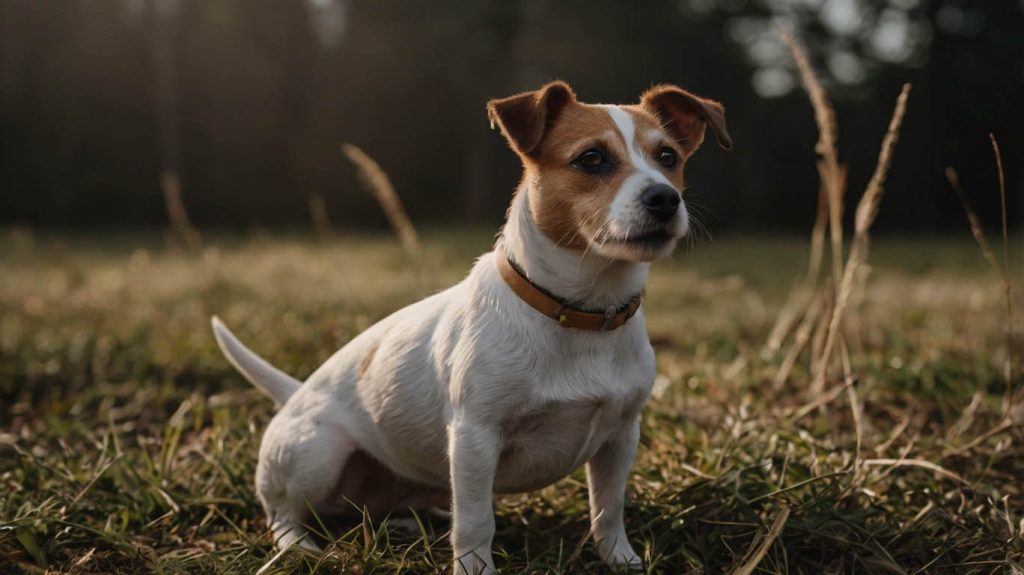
x=318, y=214
x=127, y=443
x=1008, y=366
x=817, y=309
x=821, y=307
x=867, y=211
x=972, y=217
x=1013, y=413
x=177, y=214
x=978, y=232
x=831, y=173
x=377, y=183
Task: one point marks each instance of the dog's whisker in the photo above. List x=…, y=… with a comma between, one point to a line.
x=578, y=230
x=596, y=241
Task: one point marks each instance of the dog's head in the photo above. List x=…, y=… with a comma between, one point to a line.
x=608, y=178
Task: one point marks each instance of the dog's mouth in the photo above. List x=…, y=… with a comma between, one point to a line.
x=643, y=243
x=645, y=238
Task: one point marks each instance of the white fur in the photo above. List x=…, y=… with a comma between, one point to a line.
x=474, y=391
x=627, y=131
x=277, y=384
x=626, y=212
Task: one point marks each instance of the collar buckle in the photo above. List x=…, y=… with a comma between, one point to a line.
x=609, y=316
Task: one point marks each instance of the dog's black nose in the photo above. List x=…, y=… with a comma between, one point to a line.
x=661, y=201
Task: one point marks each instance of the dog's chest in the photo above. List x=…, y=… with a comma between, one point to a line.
x=583, y=390
x=543, y=445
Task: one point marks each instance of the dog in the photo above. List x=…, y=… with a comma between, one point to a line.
x=535, y=364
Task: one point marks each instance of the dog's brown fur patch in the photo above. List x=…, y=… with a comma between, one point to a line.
x=367, y=361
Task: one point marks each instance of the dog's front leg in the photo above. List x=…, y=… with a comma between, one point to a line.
x=473, y=450
x=607, y=472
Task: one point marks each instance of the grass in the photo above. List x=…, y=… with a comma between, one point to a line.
x=127, y=442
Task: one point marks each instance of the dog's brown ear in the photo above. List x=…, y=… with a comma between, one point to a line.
x=684, y=115
x=525, y=117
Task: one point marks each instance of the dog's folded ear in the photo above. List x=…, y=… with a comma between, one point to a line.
x=684, y=115
x=524, y=118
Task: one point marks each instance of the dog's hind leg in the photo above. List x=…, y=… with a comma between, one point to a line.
x=300, y=465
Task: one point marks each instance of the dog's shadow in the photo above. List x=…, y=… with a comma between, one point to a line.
x=545, y=532
x=548, y=532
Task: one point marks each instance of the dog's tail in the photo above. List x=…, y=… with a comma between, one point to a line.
x=272, y=381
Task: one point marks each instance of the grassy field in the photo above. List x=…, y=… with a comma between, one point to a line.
x=127, y=442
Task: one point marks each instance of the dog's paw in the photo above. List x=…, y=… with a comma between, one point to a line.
x=618, y=554
x=477, y=562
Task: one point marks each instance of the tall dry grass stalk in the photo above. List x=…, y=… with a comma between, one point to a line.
x=800, y=295
x=376, y=181
x=972, y=217
x=856, y=408
x=318, y=213
x=180, y=223
x=867, y=211
x=801, y=337
x=833, y=176
x=1001, y=268
x=1008, y=366
x=817, y=252
x=756, y=554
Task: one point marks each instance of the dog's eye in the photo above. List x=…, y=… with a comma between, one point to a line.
x=667, y=157
x=593, y=161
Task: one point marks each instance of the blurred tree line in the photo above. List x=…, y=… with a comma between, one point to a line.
x=247, y=101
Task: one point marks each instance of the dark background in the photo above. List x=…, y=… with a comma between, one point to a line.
x=248, y=101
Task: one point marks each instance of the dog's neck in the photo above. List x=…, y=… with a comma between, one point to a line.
x=585, y=280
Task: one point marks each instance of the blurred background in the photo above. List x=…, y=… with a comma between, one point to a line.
x=246, y=103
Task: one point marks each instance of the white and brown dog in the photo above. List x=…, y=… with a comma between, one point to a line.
x=535, y=364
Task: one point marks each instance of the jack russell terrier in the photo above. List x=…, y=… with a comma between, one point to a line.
x=536, y=363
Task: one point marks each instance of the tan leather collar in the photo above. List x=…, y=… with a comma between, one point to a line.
x=549, y=305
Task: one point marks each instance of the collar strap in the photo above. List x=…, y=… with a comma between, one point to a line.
x=566, y=315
